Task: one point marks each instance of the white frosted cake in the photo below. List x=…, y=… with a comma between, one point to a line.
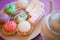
x=24, y=28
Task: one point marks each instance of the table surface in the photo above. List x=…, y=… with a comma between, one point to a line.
x=47, y=7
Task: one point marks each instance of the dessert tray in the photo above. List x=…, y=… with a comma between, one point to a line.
x=37, y=12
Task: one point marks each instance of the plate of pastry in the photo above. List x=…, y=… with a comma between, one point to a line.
x=19, y=23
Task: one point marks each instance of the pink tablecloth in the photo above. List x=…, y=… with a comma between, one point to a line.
x=47, y=7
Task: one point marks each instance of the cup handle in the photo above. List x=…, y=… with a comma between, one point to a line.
x=52, y=6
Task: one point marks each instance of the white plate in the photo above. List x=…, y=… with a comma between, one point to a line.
x=36, y=31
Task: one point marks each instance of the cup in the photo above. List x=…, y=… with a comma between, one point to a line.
x=50, y=27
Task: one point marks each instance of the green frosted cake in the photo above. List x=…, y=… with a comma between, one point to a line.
x=10, y=9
